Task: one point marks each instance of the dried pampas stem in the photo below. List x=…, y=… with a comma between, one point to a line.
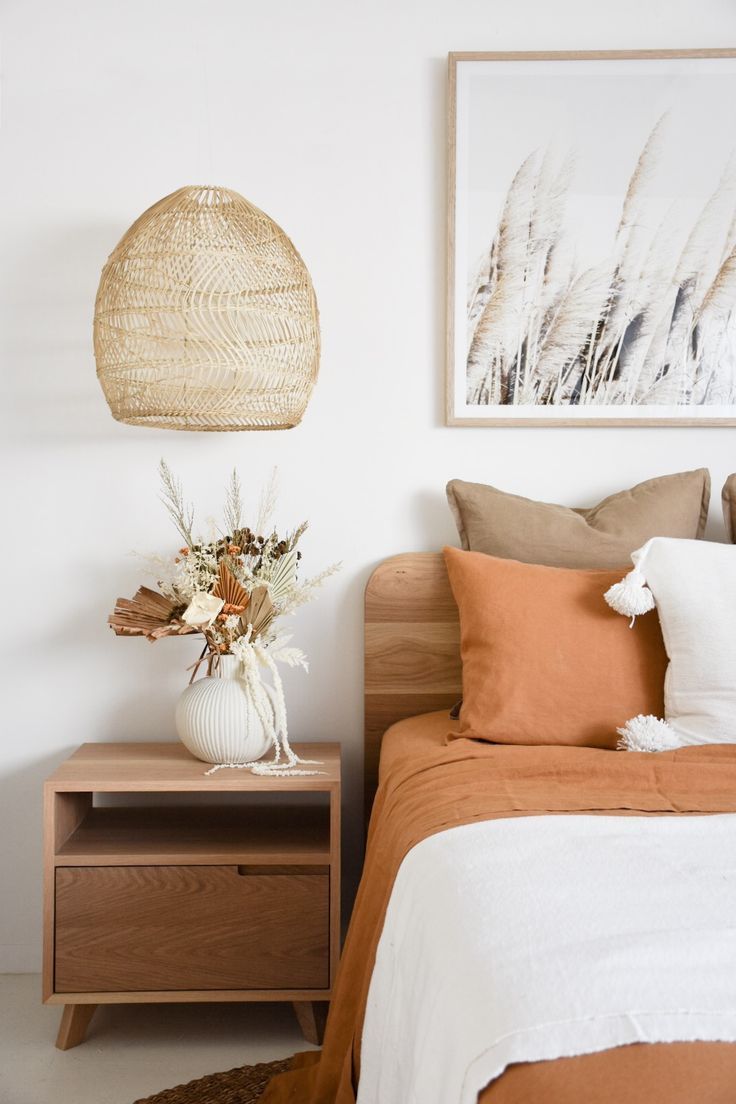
x=653, y=323
x=271, y=711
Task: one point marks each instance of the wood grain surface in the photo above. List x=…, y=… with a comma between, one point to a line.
x=163, y=902
x=128, y=928
x=312, y=1017
x=412, y=649
x=167, y=767
x=199, y=835
x=75, y=1020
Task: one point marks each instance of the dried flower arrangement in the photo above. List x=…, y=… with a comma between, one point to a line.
x=231, y=590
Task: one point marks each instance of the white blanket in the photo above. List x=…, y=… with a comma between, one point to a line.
x=544, y=937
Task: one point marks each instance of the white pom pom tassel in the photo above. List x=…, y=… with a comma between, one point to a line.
x=631, y=596
x=647, y=733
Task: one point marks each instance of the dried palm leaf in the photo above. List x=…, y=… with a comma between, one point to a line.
x=148, y=614
x=282, y=576
x=260, y=612
x=229, y=589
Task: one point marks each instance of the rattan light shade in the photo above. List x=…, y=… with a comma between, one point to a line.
x=206, y=318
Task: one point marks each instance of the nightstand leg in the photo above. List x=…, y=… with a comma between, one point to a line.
x=75, y=1020
x=312, y=1016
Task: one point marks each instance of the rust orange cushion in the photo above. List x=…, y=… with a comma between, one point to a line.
x=545, y=660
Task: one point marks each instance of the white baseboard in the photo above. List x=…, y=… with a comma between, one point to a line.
x=20, y=958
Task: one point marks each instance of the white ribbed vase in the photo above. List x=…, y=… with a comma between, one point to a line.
x=216, y=719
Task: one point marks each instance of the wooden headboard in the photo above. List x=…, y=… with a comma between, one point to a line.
x=412, y=649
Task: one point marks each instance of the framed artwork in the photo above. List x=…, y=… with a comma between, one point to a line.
x=592, y=238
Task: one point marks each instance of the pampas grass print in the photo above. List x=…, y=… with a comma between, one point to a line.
x=643, y=326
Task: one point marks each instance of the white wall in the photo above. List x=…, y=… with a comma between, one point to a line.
x=330, y=115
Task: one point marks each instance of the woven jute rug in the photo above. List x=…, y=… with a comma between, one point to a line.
x=237, y=1086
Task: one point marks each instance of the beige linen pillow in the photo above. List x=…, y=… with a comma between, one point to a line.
x=604, y=536
x=728, y=499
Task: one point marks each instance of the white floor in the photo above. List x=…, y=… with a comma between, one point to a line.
x=131, y=1051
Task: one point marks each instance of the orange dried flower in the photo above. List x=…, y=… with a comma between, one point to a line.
x=229, y=607
x=234, y=549
x=184, y=552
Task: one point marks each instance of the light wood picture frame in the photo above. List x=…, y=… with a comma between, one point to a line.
x=591, y=239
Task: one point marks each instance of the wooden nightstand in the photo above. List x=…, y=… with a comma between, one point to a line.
x=233, y=901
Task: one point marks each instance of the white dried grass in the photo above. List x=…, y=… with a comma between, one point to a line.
x=643, y=326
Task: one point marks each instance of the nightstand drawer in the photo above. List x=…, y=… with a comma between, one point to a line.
x=138, y=928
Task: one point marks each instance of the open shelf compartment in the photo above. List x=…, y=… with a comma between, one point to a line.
x=198, y=834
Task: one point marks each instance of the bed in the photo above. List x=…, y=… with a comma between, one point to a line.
x=379, y=1045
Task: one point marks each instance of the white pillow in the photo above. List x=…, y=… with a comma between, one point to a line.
x=692, y=583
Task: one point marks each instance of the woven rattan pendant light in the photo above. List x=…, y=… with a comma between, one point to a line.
x=206, y=318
